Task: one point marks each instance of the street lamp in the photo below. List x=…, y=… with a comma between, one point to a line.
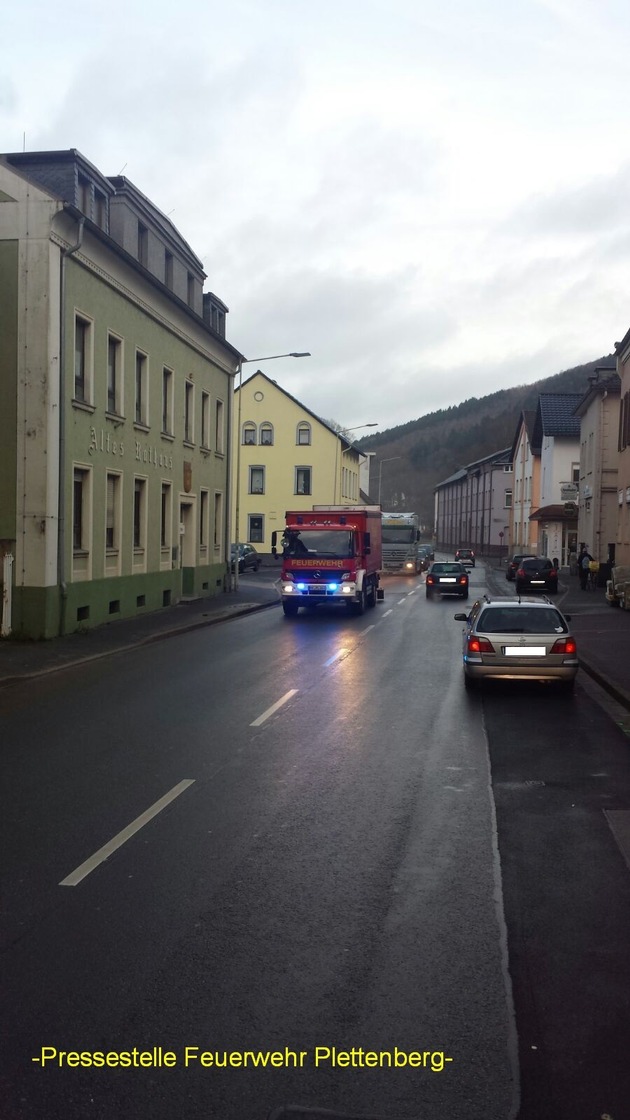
x=380, y=472
x=341, y=434
x=244, y=362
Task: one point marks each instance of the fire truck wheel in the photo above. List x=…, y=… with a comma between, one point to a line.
x=290, y=609
x=362, y=602
x=371, y=599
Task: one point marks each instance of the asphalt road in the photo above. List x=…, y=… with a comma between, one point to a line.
x=335, y=876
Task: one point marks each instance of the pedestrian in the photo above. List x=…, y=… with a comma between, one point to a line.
x=584, y=561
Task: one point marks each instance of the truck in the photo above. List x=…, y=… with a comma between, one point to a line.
x=331, y=555
x=401, y=536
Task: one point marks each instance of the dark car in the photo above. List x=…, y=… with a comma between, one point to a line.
x=425, y=556
x=536, y=573
x=518, y=639
x=514, y=564
x=247, y=557
x=465, y=556
x=447, y=579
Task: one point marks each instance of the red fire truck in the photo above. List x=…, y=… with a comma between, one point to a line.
x=330, y=554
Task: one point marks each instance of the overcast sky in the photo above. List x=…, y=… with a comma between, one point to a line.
x=434, y=199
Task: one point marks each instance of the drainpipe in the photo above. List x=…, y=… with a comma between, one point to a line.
x=61, y=522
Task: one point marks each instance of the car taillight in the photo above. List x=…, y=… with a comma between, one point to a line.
x=463, y=579
x=565, y=646
x=480, y=645
x=430, y=579
x=521, y=572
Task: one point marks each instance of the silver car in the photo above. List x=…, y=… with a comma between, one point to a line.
x=518, y=639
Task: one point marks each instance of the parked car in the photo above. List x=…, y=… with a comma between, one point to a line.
x=536, y=573
x=447, y=579
x=514, y=564
x=247, y=557
x=518, y=639
x=465, y=556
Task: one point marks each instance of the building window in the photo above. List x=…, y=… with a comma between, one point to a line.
x=204, y=507
x=218, y=521
x=141, y=388
x=302, y=480
x=255, y=531
x=167, y=401
x=139, y=513
x=100, y=210
x=266, y=435
x=249, y=432
x=82, y=360
x=575, y=473
x=205, y=419
x=256, y=480
x=166, y=520
x=112, y=512
x=303, y=434
x=114, y=375
x=168, y=268
x=143, y=244
x=81, y=510
x=85, y=196
x=189, y=410
x=218, y=434
x=507, y=502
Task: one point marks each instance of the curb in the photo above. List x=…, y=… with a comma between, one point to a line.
x=172, y=632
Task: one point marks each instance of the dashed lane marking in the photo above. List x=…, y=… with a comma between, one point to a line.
x=274, y=708
x=103, y=853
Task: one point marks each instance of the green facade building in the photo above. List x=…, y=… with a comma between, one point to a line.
x=116, y=386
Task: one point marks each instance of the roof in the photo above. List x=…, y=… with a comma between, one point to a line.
x=557, y=512
x=605, y=382
x=526, y=421
x=555, y=416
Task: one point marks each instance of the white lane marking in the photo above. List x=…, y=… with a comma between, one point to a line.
x=368, y=628
x=387, y=612
x=122, y=837
x=401, y=601
x=335, y=657
x=274, y=707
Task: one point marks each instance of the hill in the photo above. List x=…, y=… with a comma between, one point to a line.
x=426, y=451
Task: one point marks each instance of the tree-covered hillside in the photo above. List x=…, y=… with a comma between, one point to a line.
x=426, y=451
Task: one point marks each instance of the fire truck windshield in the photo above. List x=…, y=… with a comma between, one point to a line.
x=328, y=544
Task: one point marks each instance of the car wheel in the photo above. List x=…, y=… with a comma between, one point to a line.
x=470, y=683
x=429, y=594
x=465, y=595
x=553, y=587
x=519, y=589
x=567, y=686
x=256, y=565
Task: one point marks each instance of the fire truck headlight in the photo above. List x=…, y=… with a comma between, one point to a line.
x=347, y=590
x=288, y=588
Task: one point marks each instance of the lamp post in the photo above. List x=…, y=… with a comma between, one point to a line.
x=380, y=472
x=340, y=435
x=237, y=502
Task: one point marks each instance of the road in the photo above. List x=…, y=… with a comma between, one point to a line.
x=358, y=864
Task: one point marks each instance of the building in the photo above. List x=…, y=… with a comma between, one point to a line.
x=622, y=541
x=596, y=492
x=286, y=457
x=472, y=506
x=115, y=382
x=556, y=439
x=523, y=533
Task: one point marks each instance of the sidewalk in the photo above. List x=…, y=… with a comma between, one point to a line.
x=603, y=636
x=20, y=660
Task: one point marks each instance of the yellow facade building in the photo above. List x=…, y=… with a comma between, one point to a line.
x=286, y=457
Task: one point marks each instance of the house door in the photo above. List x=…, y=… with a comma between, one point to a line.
x=187, y=546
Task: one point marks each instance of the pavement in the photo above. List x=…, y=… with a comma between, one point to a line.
x=21, y=660
x=602, y=631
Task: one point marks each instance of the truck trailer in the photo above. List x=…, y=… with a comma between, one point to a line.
x=401, y=536
x=330, y=554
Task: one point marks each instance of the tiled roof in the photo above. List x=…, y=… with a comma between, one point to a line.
x=555, y=416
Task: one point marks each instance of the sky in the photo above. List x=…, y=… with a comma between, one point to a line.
x=432, y=199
